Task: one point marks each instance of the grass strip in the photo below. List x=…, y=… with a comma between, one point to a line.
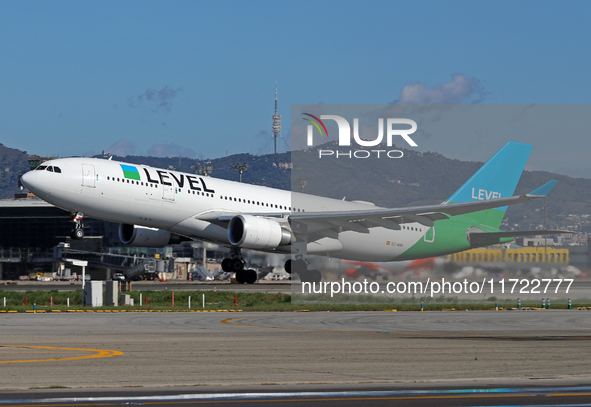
x=260, y=301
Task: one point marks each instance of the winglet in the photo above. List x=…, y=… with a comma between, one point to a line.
x=543, y=190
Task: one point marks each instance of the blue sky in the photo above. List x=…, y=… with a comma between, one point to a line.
x=197, y=78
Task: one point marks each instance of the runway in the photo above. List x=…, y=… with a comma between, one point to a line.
x=207, y=352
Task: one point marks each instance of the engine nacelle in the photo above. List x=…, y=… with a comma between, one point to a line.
x=139, y=236
x=253, y=232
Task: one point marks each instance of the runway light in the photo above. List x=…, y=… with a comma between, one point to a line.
x=570, y=304
x=519, y=303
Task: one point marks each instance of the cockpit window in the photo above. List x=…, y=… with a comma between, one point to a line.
x=41, y=167
x=50, y=169
x=57, y=169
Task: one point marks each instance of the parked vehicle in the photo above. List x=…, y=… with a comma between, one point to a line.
x=118, y=277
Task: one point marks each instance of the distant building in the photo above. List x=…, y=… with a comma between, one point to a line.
x=537, y=241
x=284, y=165
x=35, y=236
x=521, y=255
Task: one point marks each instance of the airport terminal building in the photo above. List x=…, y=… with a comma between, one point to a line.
x=35, y=238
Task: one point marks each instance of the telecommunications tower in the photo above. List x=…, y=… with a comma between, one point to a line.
x=276, y=120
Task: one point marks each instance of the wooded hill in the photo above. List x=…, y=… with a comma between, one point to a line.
x=13, y=162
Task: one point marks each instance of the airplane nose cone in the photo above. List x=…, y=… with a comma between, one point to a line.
x=28, y=180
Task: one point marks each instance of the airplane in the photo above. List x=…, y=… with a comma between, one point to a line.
x=157, y=207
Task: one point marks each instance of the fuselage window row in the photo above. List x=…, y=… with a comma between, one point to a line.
x=241, y=200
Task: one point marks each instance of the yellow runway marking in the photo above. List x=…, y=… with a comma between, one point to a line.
x=98, y=353
x=28, y=352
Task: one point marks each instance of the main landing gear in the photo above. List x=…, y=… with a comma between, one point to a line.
x=300, y=267
x=77, y=233
x=235, y=264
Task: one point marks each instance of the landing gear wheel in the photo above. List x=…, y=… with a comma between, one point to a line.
x=288, y=266
x=241, y=277
x=314, y=276
x=310, y=276
x=236, y=265
x=304, y=275
x=251, y=276
x=77, y=234
x=226, y=265
x=299, y=266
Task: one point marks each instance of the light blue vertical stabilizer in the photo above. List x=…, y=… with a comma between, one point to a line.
x=497, y=178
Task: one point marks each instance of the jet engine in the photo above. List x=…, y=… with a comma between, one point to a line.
x=254, y=232
x=139, y=236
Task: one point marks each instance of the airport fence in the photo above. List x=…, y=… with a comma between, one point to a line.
x=259, y=301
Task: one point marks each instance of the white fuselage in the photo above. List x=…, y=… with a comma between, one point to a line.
x=185, y=203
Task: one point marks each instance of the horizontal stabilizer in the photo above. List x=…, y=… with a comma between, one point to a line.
x=543, y=190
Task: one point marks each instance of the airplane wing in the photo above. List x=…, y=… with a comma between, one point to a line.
x=361, y=221
x=222, y=218
x=320, y=224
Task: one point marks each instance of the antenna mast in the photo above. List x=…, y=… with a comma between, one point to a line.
x=276, y=120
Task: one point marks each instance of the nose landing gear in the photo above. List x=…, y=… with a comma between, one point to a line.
x=77, y=233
